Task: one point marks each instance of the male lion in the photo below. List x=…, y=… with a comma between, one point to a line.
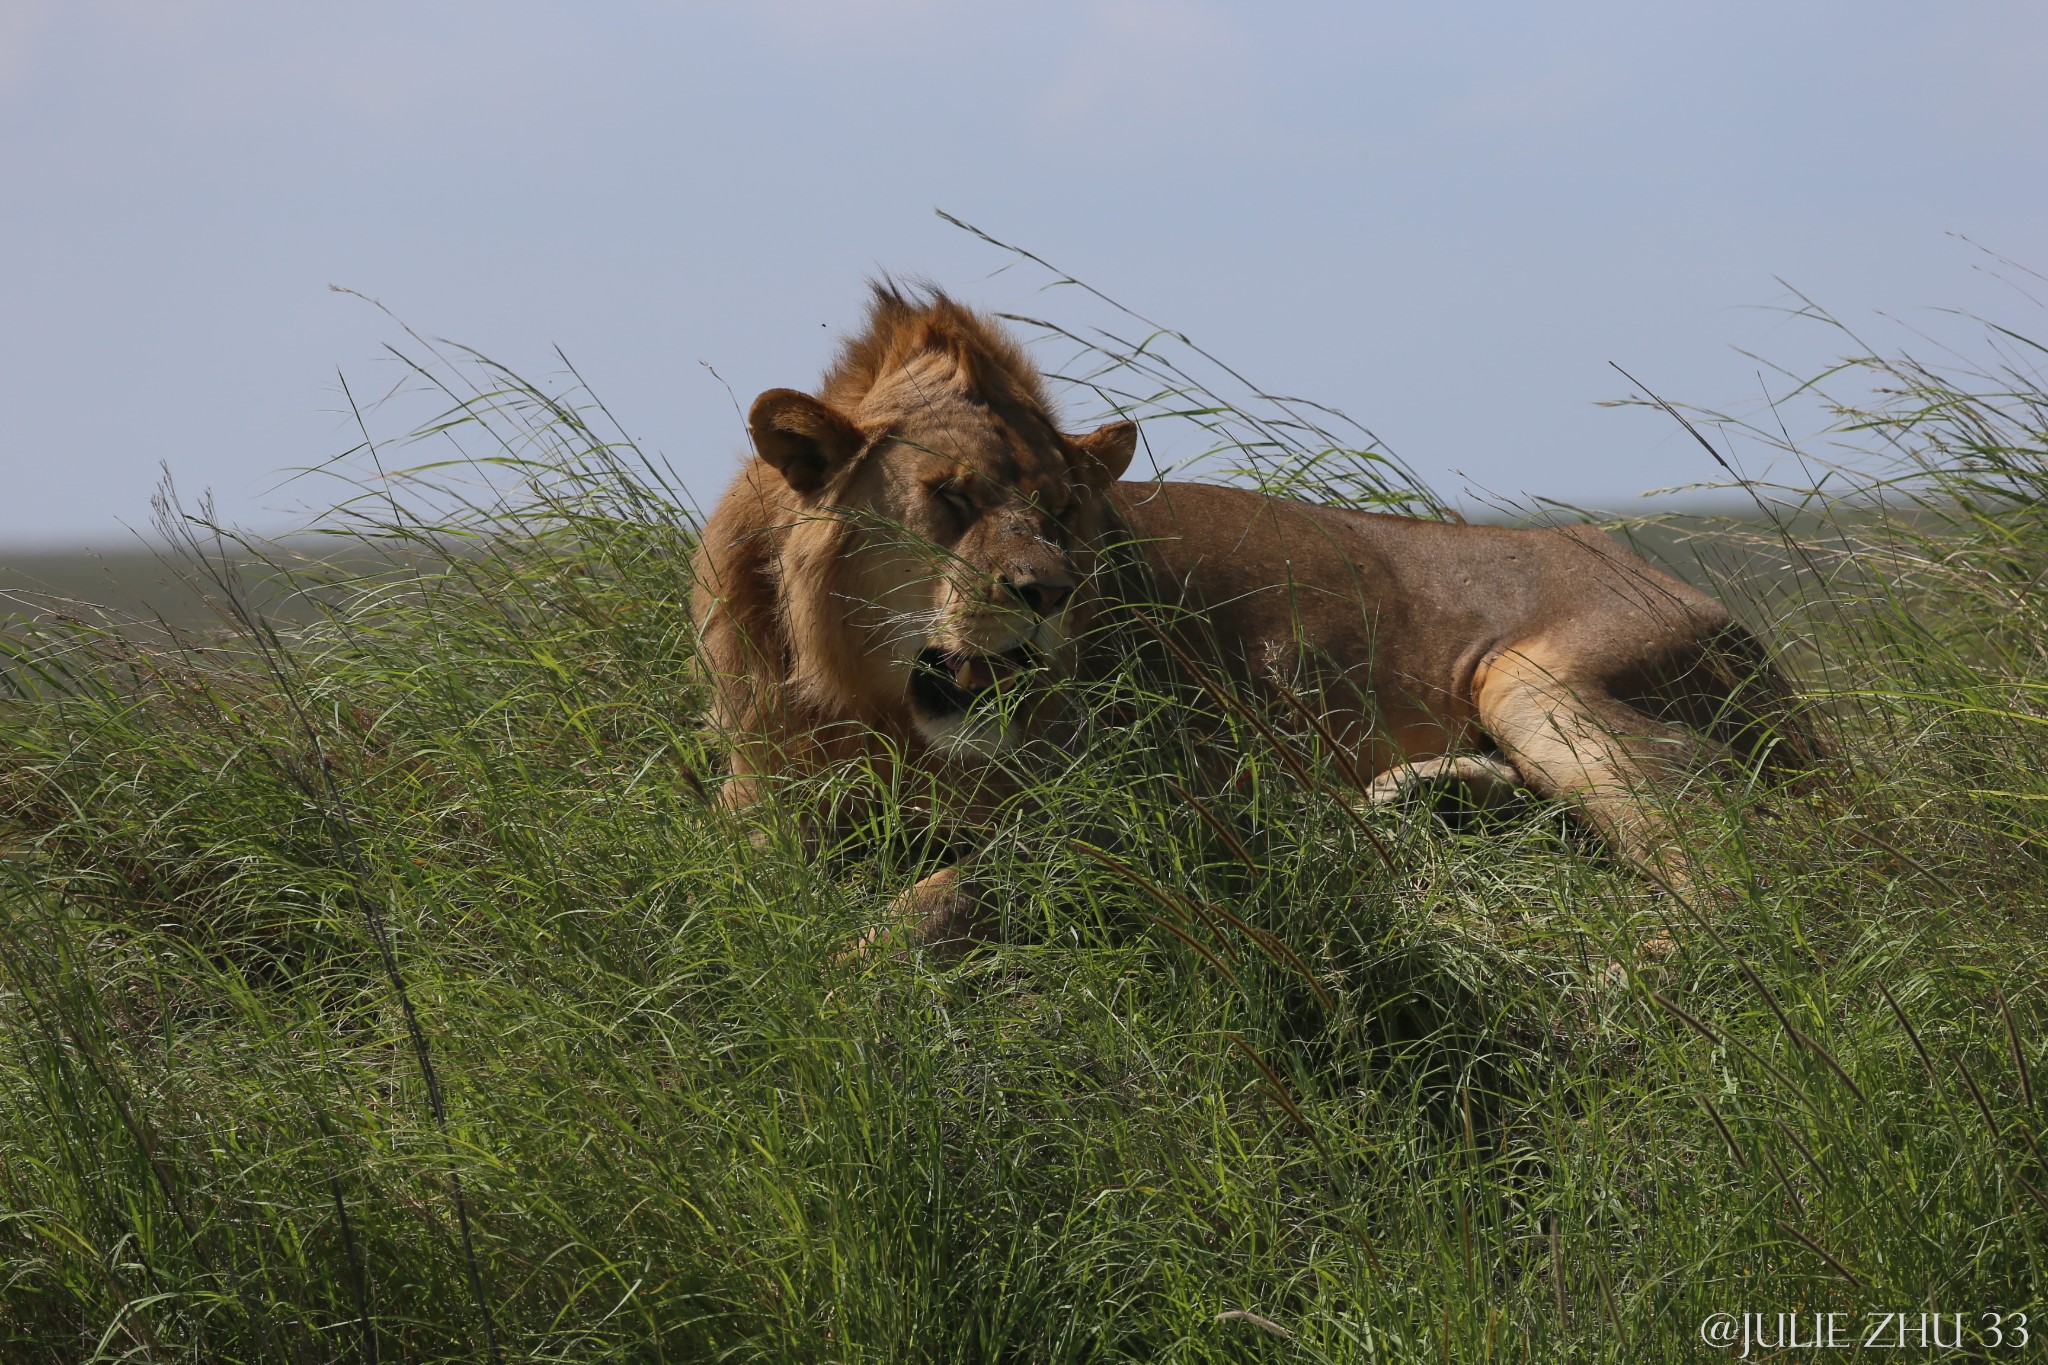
x=917, y=540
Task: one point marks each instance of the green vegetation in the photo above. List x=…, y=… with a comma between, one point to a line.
x=386, y=988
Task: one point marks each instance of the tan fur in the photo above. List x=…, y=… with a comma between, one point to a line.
x=835, y=561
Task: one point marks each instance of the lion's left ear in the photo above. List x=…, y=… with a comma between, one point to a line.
x=1102, y=456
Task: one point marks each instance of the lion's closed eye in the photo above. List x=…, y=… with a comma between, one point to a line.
x=957, y=501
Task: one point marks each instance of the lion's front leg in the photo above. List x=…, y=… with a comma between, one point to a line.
x=944, y=913
x=1487, y=780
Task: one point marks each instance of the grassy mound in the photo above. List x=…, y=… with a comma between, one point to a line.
x=387, y=987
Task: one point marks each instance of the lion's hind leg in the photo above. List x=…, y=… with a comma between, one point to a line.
x=1616, y=767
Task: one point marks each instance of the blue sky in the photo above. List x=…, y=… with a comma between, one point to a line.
x=1445, y=220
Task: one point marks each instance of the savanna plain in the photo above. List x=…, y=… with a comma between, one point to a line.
x=379, y=980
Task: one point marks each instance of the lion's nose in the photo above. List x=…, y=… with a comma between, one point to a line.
x=1043, y=596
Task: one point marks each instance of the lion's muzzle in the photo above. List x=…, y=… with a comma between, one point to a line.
x=947, y=682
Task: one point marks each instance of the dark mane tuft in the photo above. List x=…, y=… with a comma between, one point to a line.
x=905, y=323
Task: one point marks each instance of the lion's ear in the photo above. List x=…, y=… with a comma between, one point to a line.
x=1105, y=453
x=805, y=439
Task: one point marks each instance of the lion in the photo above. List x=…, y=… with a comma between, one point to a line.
x=917, y=543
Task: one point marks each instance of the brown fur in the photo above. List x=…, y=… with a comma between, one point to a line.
x=924, y=505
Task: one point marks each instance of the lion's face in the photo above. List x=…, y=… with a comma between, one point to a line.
x=987, y=575
x=962, y=539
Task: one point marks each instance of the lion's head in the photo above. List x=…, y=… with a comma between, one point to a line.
x=934, y=529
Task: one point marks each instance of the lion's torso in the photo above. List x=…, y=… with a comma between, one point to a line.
x=1386, y=619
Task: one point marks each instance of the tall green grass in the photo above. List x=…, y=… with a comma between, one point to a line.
x=387, y=988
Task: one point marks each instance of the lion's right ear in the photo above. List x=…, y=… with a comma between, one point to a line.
x=805, y=439
x=1105, y=453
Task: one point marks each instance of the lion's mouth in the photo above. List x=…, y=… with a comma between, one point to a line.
x=946, y=682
